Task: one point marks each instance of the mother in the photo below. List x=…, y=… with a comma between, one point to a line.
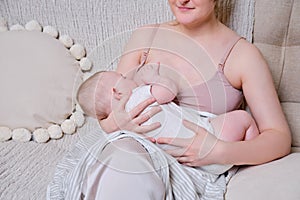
x=235, y=68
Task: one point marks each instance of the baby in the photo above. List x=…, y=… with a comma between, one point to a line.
x=98, y=94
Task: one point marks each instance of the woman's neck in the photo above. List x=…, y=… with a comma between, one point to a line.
x=201, y=30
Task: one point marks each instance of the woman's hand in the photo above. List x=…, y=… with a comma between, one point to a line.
x=196, y=151
x=119, y=119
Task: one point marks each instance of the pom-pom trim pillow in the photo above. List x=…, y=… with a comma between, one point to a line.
x=40, y=74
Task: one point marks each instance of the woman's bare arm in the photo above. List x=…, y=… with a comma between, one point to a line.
x=274, y=140
x=119, y=118
x=248, y=70
x=133, y=53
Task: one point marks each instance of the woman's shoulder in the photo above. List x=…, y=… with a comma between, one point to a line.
x=240, y=47
x=245, y=57
x=247, y=50
x=244, y=61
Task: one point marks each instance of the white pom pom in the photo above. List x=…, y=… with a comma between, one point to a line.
x=66, y=40
x=21, y=135
x=55, y=131
x=3, y=25
x=51, y=31
x=68, y=126
x=33, y=26
x=77, y=51
x=85, y=64
x=78, y=117
x=41, y=135
x=5, y=134
x=17, y=27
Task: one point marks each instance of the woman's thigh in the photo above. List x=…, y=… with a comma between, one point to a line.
x=123, y=170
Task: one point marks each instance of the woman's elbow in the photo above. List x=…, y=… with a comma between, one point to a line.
x=286, y=143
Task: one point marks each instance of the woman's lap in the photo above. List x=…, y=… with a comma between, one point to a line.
x=126, y=166
x=123, y=170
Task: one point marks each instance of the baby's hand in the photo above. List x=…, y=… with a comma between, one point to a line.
x=149, y=73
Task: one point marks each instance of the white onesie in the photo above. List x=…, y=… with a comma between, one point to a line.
x=170, y=117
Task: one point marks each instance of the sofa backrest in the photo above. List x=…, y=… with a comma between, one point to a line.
x=277, y=35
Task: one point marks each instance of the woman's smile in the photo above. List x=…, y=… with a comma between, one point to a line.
x=185, y=8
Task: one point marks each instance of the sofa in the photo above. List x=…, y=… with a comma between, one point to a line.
x=103, y=27
x=276, y=34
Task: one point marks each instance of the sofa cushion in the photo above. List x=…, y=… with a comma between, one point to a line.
x=276, y=34
x=276, y=180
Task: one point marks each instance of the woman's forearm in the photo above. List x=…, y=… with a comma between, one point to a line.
x=269, y=145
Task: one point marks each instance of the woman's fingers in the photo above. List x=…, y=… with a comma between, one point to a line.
x=179, y=142
x=141, y=106
x=124, y=99
x=184, y=159
x=206, y=140
x=147, y=115
x=193, y=127
x=177, y=152
x=142, y=118
x=146, y=128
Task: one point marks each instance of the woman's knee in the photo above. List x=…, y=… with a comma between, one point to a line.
x=126, y=165
x=126, y=155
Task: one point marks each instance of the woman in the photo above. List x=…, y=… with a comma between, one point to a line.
x=244, y=68
x=217, y=67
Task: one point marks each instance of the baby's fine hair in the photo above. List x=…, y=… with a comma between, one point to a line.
x=86, y=95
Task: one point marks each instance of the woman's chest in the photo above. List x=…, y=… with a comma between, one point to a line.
x=185, y=68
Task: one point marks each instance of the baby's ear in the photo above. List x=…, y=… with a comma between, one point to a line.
x=117, y=95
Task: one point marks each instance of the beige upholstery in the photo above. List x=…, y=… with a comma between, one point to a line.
x=277, y=180
x=277, y=35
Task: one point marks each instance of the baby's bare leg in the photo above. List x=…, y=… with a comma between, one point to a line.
x=235, y=126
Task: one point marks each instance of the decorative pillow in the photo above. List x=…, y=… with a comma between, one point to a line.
x=40, y=74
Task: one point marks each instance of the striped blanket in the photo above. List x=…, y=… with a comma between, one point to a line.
x=181, y=182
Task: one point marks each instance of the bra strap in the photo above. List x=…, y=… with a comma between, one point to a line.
x=146, y=53
x=228, y=51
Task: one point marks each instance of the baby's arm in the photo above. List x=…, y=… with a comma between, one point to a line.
x=163, y=89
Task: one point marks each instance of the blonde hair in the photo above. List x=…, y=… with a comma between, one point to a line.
x=89, y=97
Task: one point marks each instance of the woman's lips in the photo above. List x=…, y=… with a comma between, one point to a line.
x=184, y=9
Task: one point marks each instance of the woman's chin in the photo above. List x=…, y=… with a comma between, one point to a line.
x=185, y=20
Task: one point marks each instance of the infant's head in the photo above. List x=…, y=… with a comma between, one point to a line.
x=97, y=93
